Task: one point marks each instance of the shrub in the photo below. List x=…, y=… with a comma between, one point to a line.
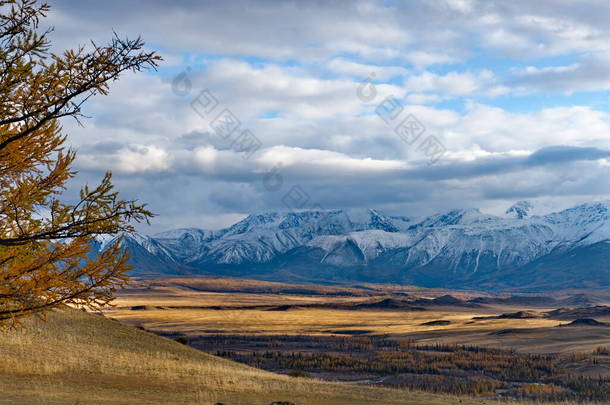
x=299, y=373
x=182, y=339
x=605, y=351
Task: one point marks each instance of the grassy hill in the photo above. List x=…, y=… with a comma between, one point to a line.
x=77, y=358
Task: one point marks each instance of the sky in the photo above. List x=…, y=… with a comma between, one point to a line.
x=409, y=107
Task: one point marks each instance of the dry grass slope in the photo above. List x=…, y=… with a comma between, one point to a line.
x=76, y=358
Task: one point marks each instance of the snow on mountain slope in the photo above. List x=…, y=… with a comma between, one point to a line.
x=371, y=242
x=583, y=225
x=259, y=238
x=520, y=209
x=147, y=255
x=185, y=243
x=459, y=246
x=150, y=245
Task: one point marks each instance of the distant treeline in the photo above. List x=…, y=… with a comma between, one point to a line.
x=453, y=369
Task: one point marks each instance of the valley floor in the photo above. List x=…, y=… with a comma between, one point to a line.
x=384, y=335
x=77, y=358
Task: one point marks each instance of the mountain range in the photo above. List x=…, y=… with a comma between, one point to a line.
x=462, y=248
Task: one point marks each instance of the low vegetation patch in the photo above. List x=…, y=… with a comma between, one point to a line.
x=449, y=369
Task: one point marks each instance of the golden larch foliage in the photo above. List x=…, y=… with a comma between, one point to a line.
x=45, y=243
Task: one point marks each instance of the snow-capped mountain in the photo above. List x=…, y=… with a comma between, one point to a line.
x=459, y=248
x=520, y=209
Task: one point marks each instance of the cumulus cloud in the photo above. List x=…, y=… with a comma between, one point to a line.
x=470, y=71
x=131, y=158
x=456, y=84
x=423, y=59
x=424, y=32
x=379, y=72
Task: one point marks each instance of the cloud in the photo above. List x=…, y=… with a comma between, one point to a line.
x=275, y=30
x=131, y=158
x=424, y=32
x=498, y=164
x=496, y=130
x=334, y=157
x=423, y=98
x=553, y=155
x=589, y=73
x=456, y=84
x=350, y=68
x=252, y=91
x=423, y=59
x=471, y=71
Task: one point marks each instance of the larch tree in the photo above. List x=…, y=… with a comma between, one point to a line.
x=45, y=243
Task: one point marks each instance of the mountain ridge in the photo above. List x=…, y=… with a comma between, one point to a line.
x=461, y=248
